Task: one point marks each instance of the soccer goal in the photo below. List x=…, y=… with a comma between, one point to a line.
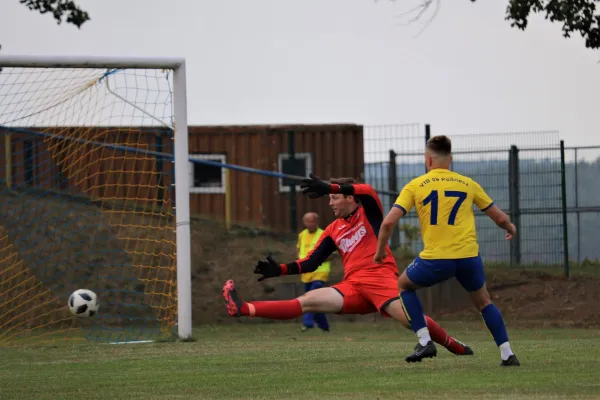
x=94, y=194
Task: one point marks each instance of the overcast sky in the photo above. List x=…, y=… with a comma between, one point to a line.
x=326, y=61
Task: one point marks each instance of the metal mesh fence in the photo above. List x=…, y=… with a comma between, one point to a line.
x=393, y=157
x=541, y=233
x=520, y=171
x=582, y=169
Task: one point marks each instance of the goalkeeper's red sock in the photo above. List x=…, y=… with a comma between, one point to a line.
x=286, y=309
x=283, y=309
x=439, y=335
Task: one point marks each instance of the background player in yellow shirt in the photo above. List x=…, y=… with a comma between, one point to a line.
x=444, y=204
x=307, y=239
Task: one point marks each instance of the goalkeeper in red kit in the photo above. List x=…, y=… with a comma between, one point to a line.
x=367, y=287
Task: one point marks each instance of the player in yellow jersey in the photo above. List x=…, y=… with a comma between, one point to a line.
x=307, y=239
x=444, y=204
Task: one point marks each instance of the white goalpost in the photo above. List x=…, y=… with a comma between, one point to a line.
x=94, y=182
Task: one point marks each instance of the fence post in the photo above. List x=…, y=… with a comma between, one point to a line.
x=564, y=207
x=515, y=209
x=292, y=158
x=227, y=199
x=393, y=187
x=577, y=207
x=427, y=132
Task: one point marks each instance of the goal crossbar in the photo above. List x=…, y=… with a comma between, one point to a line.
x=32, y=61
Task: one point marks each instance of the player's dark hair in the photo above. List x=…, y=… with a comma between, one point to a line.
x=441, y=145
x=342, y=181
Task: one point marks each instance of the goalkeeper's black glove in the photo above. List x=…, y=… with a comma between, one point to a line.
x=314, y=187
x=268, y=269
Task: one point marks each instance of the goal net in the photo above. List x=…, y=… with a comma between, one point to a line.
x=87, y=194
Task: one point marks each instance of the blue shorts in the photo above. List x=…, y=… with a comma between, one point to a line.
x=467, y=271
x=308, y=286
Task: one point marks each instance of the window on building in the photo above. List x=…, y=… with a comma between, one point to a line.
x=207, y=178
x=301, y=165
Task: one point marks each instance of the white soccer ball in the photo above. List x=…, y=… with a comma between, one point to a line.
x=83, y=303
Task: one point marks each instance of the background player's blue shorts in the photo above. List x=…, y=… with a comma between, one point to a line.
x=468, y=272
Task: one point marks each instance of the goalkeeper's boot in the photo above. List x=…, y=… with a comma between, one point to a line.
x=511, y=361
x=421, y=352
x=232, y=300
x=467, y=351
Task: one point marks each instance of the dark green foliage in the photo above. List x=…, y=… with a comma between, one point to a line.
x=576, y=16
x=60, y=9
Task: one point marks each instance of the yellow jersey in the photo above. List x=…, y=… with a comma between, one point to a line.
x=307, y=242
x=444, y=204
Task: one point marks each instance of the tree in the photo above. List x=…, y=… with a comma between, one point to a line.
x=576, y=16
x=60, y=10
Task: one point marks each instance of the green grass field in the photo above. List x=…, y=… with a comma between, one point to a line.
x=274, y=361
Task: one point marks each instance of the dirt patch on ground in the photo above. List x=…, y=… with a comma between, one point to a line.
x=218, y=255
x=526, y=297
x=544, y=298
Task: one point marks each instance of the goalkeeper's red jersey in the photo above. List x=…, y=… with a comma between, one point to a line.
x=354, y=237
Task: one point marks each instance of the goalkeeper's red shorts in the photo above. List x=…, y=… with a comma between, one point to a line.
x=368, y=293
